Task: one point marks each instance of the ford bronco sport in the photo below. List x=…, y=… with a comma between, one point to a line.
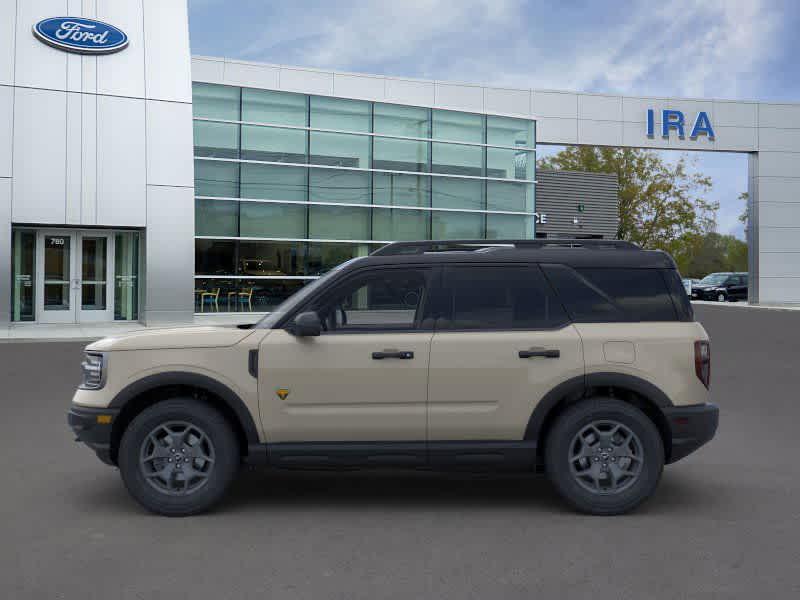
x=578, y=358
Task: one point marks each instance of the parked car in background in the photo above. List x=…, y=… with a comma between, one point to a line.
x=722, y=287
x=688, y=283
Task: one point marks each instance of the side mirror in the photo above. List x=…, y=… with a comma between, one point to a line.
x=306, y=324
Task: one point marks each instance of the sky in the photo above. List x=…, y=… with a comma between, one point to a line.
x=733, y=49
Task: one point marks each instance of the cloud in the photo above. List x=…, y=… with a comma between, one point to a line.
x=686, y=47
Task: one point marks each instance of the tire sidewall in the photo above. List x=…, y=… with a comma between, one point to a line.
x=721, y=297
x=219, y=432
x=557, y=451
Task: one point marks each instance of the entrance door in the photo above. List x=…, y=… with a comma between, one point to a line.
x=73, y=273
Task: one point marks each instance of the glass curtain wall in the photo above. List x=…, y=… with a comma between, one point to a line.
x=290, y=185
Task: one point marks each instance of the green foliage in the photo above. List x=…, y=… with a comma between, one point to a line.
x=660, y=203
x=699, y=255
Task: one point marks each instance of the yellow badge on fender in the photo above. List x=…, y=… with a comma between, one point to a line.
x=282, y=393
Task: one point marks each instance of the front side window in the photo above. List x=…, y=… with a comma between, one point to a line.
x=378, y=300
x=498, y=298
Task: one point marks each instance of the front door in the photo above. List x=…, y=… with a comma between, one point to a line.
x=365, y=378
x=502, y=342
x=73, y=272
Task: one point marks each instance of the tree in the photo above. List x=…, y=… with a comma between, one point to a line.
x=661, y=204
x=700, y=255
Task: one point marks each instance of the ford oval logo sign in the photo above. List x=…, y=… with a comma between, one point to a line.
x=76, y=34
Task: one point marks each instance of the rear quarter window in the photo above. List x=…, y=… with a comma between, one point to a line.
x=614, y=294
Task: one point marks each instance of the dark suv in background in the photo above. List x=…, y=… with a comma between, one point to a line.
x=722, y=287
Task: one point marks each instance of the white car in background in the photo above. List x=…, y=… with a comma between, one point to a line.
x=687, y=285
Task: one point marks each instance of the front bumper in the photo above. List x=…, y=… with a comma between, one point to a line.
x=92, y=426
x=705, y=294
x=691, y=426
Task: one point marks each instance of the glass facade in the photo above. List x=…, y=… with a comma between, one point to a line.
x=289, y=185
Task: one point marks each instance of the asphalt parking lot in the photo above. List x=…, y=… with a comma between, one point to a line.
x=724, y=523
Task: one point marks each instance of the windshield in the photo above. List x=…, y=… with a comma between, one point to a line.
x=268, y=321
x=714, y=279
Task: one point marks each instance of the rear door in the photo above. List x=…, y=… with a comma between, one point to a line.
x=502, y=342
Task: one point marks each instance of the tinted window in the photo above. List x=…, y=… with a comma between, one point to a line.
x=378, y=300
x=609, y=294
x=491, y=297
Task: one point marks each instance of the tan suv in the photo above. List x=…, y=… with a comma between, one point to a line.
x=578, y=358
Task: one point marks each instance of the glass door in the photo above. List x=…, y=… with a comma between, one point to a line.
x=56, y=277
x=95, y=275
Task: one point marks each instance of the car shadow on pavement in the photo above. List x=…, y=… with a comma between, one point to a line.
x=274, y=489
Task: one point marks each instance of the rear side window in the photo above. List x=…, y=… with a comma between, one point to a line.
x=613, y=294
x=498, y=298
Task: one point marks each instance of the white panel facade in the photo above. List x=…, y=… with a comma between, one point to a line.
x=8, y=25
x=74, y=159
x=735, y=114
x=779, y=290
x=167, y=59
x=780, y=214
x=236, y=73
x=354, y=86
x=407, y=91
x=121, y=164
x=6, y=128
x=599, y=108
x=169, y=257
x=779, y=115
x=306, y=81
x=208, y=69
x=563, y=105
x=121, y=73
x=169, y=144
x=600, y=133
x=88, y=159
x=39, y=156
x=459, y=97
x=508, y=102
x=37, y=65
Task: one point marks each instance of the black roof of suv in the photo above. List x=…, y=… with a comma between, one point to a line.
x=575, y=253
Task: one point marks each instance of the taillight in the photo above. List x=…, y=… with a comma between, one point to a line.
x=702, y=361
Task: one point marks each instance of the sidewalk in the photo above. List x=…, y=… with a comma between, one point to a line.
x=34, y=332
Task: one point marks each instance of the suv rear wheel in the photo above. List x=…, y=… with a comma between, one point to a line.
x=178, y=457
x=604, y=456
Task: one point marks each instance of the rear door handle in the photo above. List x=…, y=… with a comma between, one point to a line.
x=402, y=354
x=540, y=352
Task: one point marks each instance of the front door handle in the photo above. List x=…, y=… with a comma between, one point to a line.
x=540, y=352
x=403, y=354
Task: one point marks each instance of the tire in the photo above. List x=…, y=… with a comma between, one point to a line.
x=584, y=491
x=208, y=455
x=722, y=297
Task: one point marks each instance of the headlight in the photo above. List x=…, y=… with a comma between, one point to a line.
x=93, y=369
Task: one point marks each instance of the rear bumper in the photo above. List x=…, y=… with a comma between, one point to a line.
x=691, y=426
x=93, y=432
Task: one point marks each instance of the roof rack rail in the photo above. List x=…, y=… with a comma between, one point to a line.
x=423, y=246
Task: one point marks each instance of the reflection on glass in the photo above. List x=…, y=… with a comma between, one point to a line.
x=457, y=126
x=215, y=101
x=339, y=150
x=322, y=257
x=516, y=227
x=273, y=144
x=216, y=178
x=507, y=131
x=510, y=196
x=457, y=159
x=211, y=295
x=393, y=225
x=281, y=108
x=273, y=182
x=341, y=114
x=126, y=276
x=401, y=190
x=269, y=259
x=216, y=217
x=260, y=219
x=406, y=121
x=93, y=273
x=335, y=185
x=23, y=252
x=509, y=164
x=452, y=192
x=338, y=223
x=56, y=272
x=400, y=155
x=220, y=140
x=454, y=226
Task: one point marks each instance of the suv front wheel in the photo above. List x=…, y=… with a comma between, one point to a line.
x=178, y=457
x=604, y=456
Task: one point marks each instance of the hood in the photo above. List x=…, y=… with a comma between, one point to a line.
x=175, y=337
